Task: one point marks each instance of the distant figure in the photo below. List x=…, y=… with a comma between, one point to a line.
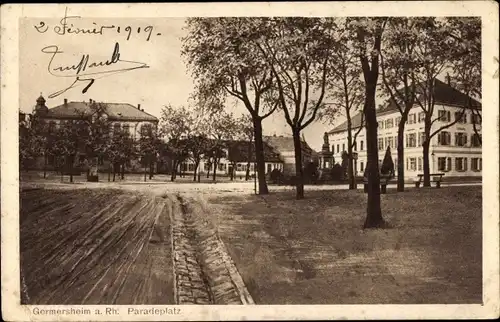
x=325, y=139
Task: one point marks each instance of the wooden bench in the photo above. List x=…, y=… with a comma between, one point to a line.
x=435, y=177
x=384, y=181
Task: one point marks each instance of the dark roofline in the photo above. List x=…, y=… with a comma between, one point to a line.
x=156, y=120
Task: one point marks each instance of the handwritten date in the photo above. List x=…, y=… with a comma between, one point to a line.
x=67, y=26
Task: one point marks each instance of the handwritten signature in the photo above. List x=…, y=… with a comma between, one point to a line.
x=87, y=70
x=66, y=26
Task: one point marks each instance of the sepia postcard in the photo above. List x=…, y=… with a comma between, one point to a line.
x=250, y=161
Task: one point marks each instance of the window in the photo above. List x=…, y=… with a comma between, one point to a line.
x=475, y=140
x=461, y=117
x=444, y=164
x=116, y=128
x=476, y=164
x=460, y=139
x=389, y=142
x=52, y=126
x=461, y=164
x=411, y=118
x=362, y=166
x=343, y=146
x=421, y=117
x=421, y=138
x=389, y=123
x=239, y=167
x=475, y=119
x=269, y=167
x=355, y=146
x=380, y=143
x=361, y=146
x=444, y=138
x=420, y=163
x=207, y=166
x=190, y=167
x=126, y=129
x=338, y=148
x=146, y=129
x=444, y=116
x=411, y=164
x=395, y=142
x=411, y=140
x=380, y=125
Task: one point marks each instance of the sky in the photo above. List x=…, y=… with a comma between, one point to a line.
x=166, y=81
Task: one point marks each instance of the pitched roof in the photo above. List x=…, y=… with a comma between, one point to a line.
x=284, y=143
x=443, y=94
x=238, y=152
x=115, y=111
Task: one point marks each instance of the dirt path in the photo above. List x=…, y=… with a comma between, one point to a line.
x=96, y=246
x=204, y=272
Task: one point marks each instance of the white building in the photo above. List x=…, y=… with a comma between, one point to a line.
x=455, y=151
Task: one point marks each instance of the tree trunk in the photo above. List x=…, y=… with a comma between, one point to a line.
x=233, y=171
x=247, y=172
x=259, y=156
x=195, y=170
x=373, y=211
x=114, y=171
x=216, y=163
x=425, y=150
x=123, y=170
x=299, y=174
x=401, y=156
x=172, y=175
x=145, y=169
x=350, y=163
x=209, y=167
x=151, y=168
x=109, y=173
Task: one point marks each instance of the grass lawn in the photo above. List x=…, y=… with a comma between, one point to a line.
x=313, y=251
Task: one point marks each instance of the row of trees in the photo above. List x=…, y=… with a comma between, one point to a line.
x=90, y=135
x=181, y=135
x=295, y=65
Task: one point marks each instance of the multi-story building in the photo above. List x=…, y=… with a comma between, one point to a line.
x=455, y=151
x=121, y=116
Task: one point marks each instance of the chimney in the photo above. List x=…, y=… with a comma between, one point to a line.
x=448, y=79
x=139, y=107
x=90, y=100
x=65, y=101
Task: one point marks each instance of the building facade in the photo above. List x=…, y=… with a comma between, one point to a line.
x=455, y=151
x=121, y=116
x=279, y=153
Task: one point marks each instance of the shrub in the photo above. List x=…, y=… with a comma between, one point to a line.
x=276, y=176
x=311, y=172
x=387, y=167
x=345, y=165
x=336, y=173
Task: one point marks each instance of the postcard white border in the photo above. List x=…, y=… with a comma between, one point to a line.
x=488, y=10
